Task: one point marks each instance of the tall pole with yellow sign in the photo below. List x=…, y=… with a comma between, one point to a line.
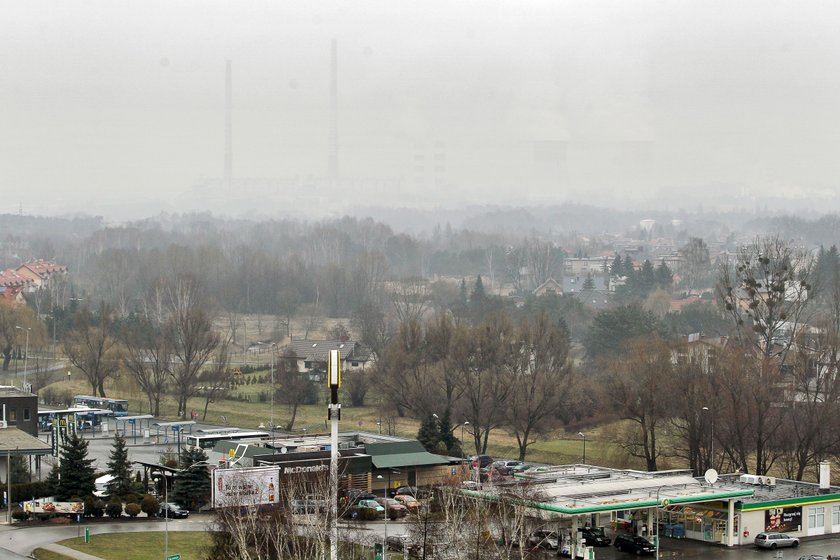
x=334, y=415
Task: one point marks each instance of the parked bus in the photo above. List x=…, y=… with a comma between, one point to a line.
x=209, y=440
x=118, y=406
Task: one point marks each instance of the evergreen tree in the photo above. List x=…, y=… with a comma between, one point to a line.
x=478, y=299
x=664, y=278
x=629, y=269
x=52, y=480
x=428, y=434
x=119, y=468
x=617, y=267
x=647, y=279
x=445, y=435
x=589, y=283
x=20, y=470
x=462, y=294
x=192, y=485
x=76, y=470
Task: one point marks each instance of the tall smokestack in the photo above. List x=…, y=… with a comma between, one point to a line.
x=333, y=150
x=228, y=126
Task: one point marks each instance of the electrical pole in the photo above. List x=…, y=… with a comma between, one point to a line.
x=334, y=415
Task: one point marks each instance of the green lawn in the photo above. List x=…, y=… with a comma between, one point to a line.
x=42, y=554
x=142, y=546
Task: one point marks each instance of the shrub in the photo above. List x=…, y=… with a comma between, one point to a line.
x=94, y=507
x=132, y=509
x=132, y=499
x=114, y=508
x=20, y=515
x=150, y=505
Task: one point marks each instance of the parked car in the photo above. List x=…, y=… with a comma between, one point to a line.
x=544, y=539
x=409, y=502
x=595, y=536
x=368, y=509
x=412, y=491
x=813, y=557
x=521, y=467
x=634, y=544
x=775, y=540
x=394, y=508
x=480, y=461
x=505, y=467
x=173, y=511
x=310, y=504
x=352, y=497
x=402, y=543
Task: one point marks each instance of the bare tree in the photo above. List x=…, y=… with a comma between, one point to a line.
x=148, y=356
x=191, y=332
x=637, y=384
x=92, y=349
x=293, y=387
x=215, y=379
x=541, y=378
x=13, y=315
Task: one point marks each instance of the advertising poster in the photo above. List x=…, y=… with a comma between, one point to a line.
x=245, y=487
x=783, y=520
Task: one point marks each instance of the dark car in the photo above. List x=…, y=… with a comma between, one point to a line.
x=353, y=497
x=480, y=461
x=595, y=536
x=402, y=543
x=173, y=512
x=634, y=544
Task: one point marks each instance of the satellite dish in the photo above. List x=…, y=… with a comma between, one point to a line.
x=711, y=476
x=283, y=450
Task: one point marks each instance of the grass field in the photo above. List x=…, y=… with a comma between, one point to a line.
x=42, y=554
x=143, y=546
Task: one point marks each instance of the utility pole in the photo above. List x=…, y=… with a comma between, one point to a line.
x=334, y=415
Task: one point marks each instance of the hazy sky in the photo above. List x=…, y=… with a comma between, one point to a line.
x=440, y=102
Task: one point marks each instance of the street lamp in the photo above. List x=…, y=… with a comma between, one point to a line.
x=158, y=478
x=711, y=438
x=385, y=541
x=25, y=352
x=463, y=449
x=581, y=434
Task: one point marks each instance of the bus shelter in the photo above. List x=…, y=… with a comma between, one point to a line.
x=175, y=428
x=137, y=423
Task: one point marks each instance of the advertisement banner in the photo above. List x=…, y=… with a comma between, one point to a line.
x=783, y=520
x=245, y=487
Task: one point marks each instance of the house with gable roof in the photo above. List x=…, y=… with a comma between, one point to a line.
x=311, y=355
x=39, y=272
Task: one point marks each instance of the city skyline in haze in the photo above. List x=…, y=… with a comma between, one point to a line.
x=121, y=109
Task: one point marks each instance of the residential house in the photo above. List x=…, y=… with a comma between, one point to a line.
x=311, y=355
x=549, y=286
x=40, y=272
x=576, y=266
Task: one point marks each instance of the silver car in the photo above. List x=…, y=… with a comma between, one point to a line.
x=775, y=540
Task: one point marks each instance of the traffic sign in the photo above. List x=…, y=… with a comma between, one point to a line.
x=173, y=557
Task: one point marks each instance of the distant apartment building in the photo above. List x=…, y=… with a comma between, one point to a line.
x=577, y=266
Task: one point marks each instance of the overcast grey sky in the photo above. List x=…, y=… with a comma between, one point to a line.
x=522, y=102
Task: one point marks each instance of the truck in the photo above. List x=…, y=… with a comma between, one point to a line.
x=48, y=506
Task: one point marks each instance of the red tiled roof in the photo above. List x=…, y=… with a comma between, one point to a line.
x=44, y=268
x=12, y=279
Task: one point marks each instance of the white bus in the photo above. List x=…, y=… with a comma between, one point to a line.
x=209, y=440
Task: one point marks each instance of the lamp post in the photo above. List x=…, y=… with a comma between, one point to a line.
x=463, y=449
x=711, y=438
x=166, y=514
x=581, y=434
x=25, y=352
x=385, y=540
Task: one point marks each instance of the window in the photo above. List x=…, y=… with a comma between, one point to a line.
x=835, y=515
x=816, y=518
x=307, y=365
x=355, y=364
x=26, y=417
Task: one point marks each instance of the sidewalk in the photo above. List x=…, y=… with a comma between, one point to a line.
x=69, y=552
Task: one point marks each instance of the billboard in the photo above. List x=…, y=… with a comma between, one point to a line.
x=246, y=486
x=783, y=520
